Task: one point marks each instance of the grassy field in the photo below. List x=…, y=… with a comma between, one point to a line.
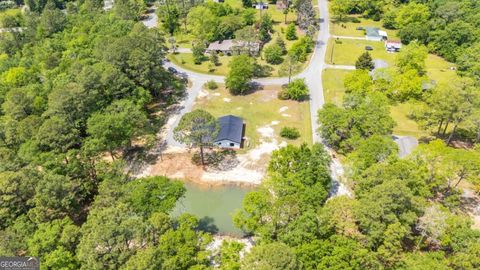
x=405, y=125
x=438, y=69
x=346, y=51
x=333, y=88
x=184, y=40
x=260, y=109
x=334, y=91
x=186, y=60
x=349, y=28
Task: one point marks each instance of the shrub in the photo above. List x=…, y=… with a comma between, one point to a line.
x=290, y=133
x=198, y=51
x=279, y=41
x=273, y=54
x=291, y=32
x=296, y=90
x=301, y=48
x=212, y=85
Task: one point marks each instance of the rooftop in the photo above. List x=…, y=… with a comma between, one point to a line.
x=231, y=128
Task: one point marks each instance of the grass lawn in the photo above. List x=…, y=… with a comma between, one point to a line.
x=438, y=69
x=260, y=109
x=185, y=41
x=346, y=51
x=349, y=28
x=333, y=88
x=186, y=60
x=405, y=126
x=334, y=92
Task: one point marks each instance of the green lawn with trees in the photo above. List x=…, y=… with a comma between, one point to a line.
x=83, y=94
x=260, y=109
x=194, y=26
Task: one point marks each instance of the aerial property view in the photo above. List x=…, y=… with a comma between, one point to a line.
x=240, y=134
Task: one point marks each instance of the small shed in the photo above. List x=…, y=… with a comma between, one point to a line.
x=393, y=45
x=231, y=132
x=260, y=6
x=375, y=34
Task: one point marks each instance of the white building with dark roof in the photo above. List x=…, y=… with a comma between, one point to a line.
x=231, y=132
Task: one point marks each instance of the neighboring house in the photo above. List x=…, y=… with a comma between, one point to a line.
x=260, y=6
x=231, y=46
x=393, y=45
x=231, y=132
x=406, y=145
x=282, y=4
x=375, y=34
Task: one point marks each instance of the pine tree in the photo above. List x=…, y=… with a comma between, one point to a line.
x=365, y=62
x=291, y=33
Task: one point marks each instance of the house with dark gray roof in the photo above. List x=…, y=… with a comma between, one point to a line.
x=231, y=132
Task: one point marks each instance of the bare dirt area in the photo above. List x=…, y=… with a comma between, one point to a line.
x=237, y=170
x=242, y=168
x=471, y=203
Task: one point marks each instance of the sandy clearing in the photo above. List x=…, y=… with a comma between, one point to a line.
x=286, y=115
x=203, y=94
x=282, y=109
x=227, y=99
x=266, y=131
x=217, y=94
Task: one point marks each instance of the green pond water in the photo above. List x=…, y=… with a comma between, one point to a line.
x=213, y=206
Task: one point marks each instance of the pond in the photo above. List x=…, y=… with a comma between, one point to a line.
x=213, y=206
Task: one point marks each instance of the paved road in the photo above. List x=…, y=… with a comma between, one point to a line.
x=313, y=78
x=152, y=20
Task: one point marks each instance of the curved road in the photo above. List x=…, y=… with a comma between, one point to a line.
x=312, y=75
x=313, y=78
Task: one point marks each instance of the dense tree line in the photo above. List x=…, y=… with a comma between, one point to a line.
x=76, y=90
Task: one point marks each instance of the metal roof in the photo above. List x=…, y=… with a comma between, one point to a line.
x=231, y=128
x=372, y=31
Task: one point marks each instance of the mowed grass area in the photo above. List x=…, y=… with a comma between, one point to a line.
x=346, y=51
x=349, y=28
x=333, y=88
x=438, y=69
x=260, y=109
x=334, y=91
x=405, y=125
x=186, y=60
x=184, y=40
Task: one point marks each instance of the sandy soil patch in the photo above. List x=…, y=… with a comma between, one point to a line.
x=217, y=94
x=286, y=115
x=282, y=109
x=227, y=99
x=203, y=94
